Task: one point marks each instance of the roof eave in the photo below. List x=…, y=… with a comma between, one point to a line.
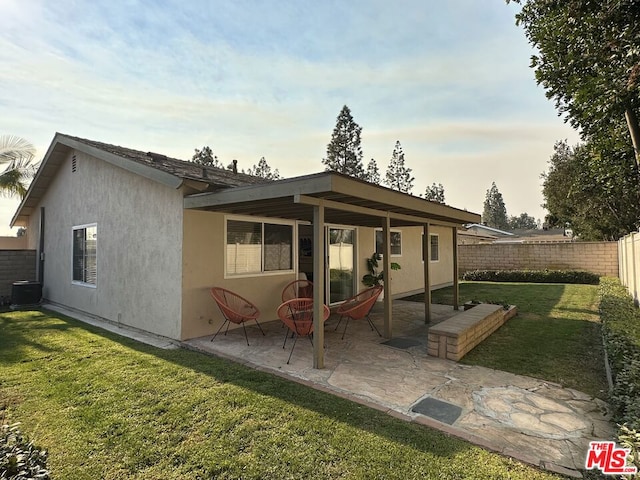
x=63, y=144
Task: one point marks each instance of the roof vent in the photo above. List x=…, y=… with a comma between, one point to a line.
x=156, y=157
x=235, y=166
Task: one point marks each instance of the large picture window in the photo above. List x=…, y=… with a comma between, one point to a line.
x=257, y=247
x=396, y=242
x=85, y=249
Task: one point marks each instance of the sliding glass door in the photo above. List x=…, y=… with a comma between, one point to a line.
x=341, y=250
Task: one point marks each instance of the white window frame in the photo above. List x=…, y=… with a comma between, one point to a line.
x=73, y=230
x=431, y=235
x=262, y=220
x=393, y=230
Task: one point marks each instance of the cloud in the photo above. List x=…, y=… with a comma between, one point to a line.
x=251, y=79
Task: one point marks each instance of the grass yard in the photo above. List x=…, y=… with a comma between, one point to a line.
x=555, y=336
x=110, y=408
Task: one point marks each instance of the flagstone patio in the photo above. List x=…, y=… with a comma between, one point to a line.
x=532, y=420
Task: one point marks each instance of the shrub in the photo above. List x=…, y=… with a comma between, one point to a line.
x=621, y=333
x=532, y=276
x=20, y=459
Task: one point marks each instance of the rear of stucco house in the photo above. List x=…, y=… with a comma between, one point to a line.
x=119, y=241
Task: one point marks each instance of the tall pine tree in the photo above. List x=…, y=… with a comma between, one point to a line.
x=372, y=175
x=435, y=193
x=344, y=153
x=264, y=170
x=495, y=213
x=206, y=157
x=398, y=176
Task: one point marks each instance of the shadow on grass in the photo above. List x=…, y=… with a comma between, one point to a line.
x=16, y=341
x=37, y=333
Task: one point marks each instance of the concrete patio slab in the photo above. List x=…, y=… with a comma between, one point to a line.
x=531, y=420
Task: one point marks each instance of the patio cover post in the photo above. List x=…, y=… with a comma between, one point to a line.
x=426, y=252
x=386, y=262
x=318, y=285
x=455, y=268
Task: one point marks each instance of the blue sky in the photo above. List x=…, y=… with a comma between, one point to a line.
x=450, y=80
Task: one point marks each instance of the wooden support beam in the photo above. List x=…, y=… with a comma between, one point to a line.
x=386, y=262
x=426, y=249
x=318, y=285
x=455, y=268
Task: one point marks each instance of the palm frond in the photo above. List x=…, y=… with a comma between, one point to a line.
x=12, y=183
x=15, y=149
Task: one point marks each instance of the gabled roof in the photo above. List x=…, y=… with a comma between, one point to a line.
x=347, y=200
x=169, y=171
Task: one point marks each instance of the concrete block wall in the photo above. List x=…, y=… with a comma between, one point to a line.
x=596, y=257
x=15, y=265
x=458, y=335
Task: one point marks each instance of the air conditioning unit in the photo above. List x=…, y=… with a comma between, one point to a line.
x=25, y=293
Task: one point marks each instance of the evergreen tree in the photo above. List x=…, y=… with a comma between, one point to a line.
x=206, y=157
x=524, y=221
x=372, y=175
x=495, y=213
x=435, y=193
x=344, y=153
x=264, y=170
x=398, y=176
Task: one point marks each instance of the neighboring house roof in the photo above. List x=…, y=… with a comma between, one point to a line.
x=489, y=230
x=160, y=168
x=472, y=236
x=539, y=236
x=347, y=201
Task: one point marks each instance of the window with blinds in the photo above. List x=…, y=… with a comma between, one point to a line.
x=85, y=250
x=257, y=247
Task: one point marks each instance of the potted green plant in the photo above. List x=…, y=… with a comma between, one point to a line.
x=374, y=277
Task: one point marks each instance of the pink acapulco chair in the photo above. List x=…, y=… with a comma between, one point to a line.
x=235, y=309
x=297, y=289
x=297, y=315
x=359, y=306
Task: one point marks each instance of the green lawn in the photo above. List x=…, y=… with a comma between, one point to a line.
x=110, y=408
x=555, y=336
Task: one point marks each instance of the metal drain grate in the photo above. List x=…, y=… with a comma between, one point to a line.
x=437, y=409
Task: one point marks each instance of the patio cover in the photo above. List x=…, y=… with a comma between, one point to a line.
x=330, y=197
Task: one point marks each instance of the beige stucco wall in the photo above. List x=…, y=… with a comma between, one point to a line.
x=203, y=260
x=139, y=256
x=410, y=277
x=203, y=257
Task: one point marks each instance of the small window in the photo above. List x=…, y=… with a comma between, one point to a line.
x=435, y=250
x=85, y=249
x=257, y=247
x=396, y=242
